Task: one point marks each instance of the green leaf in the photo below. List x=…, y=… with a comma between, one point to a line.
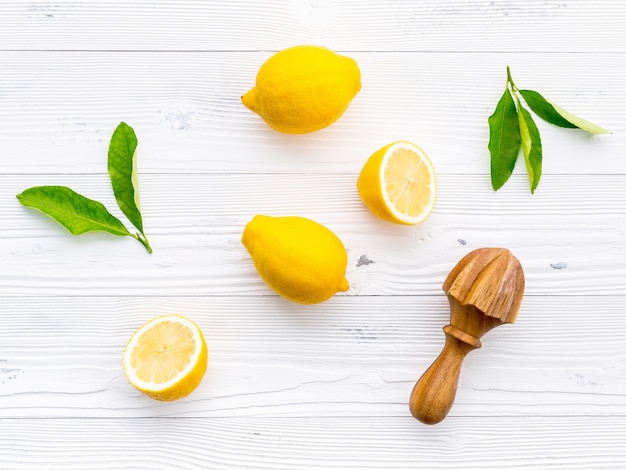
x=580, y=122
x=504, y=140
x=531, y=146
x=123, y=172
x=77, y=213
x=544, y=109
x=554, y=114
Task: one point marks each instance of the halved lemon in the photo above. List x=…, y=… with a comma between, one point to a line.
x=166, y=358
x=397, y=183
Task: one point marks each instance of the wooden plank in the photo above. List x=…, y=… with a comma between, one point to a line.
x=359, y=356
x=569, y=236
x=59, y=110
x=317, y=443
x=325, y=386
x=430, y=25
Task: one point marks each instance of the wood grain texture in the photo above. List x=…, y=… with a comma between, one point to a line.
x=358, y=357
x=59, y=110
x=569, y=236
x=317, y=443
x=431, y=25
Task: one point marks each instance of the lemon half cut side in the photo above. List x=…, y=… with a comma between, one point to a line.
x=166, y=358
x=398, y=183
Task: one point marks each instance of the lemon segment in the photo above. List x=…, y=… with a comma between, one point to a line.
x=303, y=89
x=166, y=358
x=398, y=184
x=299, y=259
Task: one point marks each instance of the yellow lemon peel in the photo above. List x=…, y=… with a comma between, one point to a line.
x=303, y=89
x=298, y=258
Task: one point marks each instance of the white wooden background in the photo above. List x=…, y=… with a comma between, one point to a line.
x=325, y=386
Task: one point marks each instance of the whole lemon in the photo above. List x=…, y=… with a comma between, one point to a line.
x=298, y=258
x=303, y=89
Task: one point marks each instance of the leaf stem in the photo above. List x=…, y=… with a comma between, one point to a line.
x=143, y=240
x=514, y=88
x=509, y=79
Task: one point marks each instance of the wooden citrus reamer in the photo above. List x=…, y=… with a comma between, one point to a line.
x=484, y=289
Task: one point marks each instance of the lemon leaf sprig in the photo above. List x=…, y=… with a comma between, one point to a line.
x=511, y=127
x=80, y=214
